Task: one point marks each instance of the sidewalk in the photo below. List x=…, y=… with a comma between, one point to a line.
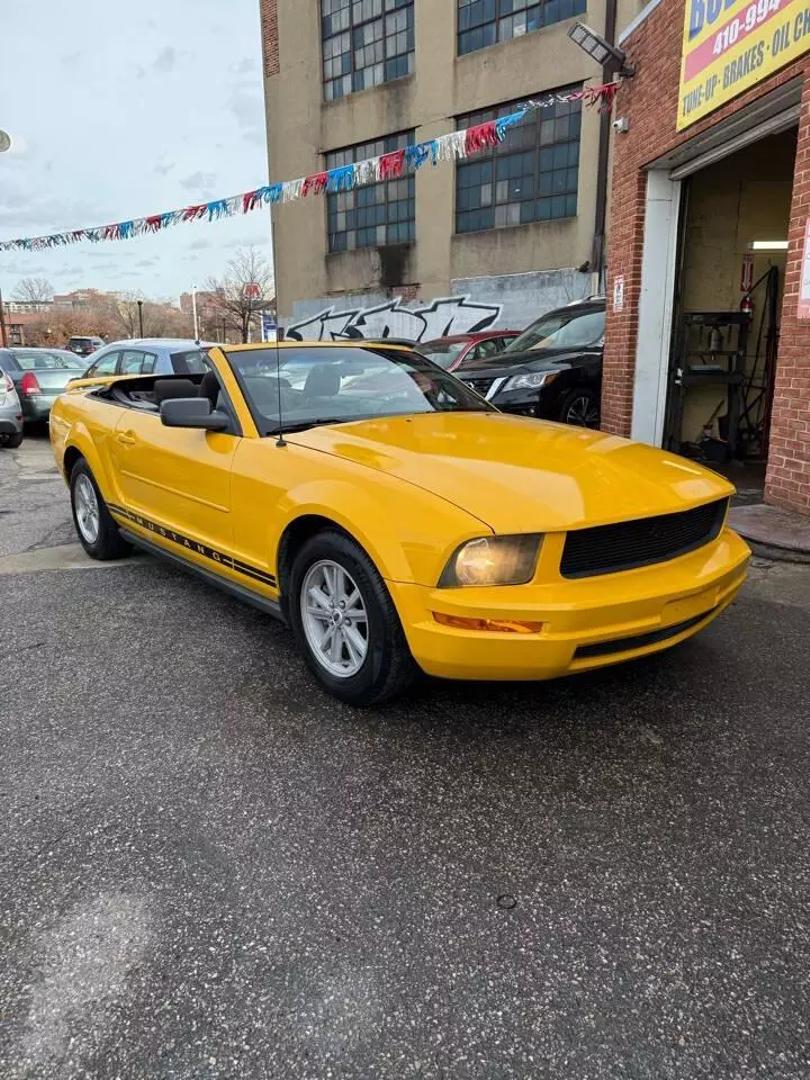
x=772, y=532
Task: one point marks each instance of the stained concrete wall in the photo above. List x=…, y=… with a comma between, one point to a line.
x=510, y=301
x=302, y=128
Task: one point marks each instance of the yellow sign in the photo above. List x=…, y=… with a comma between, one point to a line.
x=731, y=45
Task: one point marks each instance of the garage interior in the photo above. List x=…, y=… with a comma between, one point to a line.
x=729, y=279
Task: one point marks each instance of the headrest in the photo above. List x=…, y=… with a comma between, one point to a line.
x=165, y=389
x=322, y=381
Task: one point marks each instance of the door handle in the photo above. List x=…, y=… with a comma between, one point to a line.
x=127, y=438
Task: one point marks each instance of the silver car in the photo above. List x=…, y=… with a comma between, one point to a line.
x=39, y=377
x=11, y=416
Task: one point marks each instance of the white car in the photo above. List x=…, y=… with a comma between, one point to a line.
x=11, y=416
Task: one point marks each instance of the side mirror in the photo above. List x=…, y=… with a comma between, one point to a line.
x=192, y=413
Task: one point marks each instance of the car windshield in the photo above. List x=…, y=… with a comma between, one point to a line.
x=42, y=361
x=564, y=329
x=333, y=385
x=442, y=353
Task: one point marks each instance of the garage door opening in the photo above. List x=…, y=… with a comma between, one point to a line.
x=729, y=279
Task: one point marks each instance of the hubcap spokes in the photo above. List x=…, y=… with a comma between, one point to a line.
x=583, y=413
x=334, y=618
x=87, y=511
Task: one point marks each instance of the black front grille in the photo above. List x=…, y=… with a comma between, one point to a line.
x=481, y=386
x=638, y=641
x=606, y=549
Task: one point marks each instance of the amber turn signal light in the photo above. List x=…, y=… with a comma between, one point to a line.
x=508, y=626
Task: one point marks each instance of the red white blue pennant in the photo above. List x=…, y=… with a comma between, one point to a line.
x=457, y=145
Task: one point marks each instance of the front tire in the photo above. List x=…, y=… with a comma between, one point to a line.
x=97, y=532
x=580, y=407
x=345, y=622
x=11, y=442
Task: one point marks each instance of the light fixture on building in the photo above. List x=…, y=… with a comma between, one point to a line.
x=768, y=245
x=601, y=51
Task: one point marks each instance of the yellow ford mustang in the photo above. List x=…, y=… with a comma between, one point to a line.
x=397, y=521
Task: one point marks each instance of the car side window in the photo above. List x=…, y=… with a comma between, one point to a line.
x=148, y=365
x=484, y=349
x=131, y=362
x=105, y=365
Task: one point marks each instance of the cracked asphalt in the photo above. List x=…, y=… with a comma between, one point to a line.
x=210, y=869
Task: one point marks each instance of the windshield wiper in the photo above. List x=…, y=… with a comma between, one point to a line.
x=303, y=425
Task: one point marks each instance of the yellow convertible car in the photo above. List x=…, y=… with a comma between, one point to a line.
x=395, y=519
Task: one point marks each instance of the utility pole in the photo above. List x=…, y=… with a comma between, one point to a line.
x=140, y=317
x=3, y=337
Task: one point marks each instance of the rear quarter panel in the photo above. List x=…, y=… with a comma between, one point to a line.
x=86, y=424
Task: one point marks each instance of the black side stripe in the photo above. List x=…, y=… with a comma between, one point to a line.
x=215, y=556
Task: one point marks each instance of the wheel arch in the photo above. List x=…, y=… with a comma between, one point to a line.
x=296, y=533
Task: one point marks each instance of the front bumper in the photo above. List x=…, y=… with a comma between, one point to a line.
x=642, y=611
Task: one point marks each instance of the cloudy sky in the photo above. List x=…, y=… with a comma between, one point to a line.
x=123, y=110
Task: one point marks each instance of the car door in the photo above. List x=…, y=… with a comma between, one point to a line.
x=176, y=480
x=136, y=362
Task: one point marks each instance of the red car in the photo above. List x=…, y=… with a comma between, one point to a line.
x=457, y=349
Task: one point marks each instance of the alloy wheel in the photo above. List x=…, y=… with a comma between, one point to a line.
x=582, y=412
x=87, y=510
x=334, y=618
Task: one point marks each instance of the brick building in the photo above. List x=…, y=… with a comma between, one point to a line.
x=710, y=205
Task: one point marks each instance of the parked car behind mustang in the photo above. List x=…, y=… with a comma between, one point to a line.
x=553, y=370
x=84, y=346
x=146, y=356
x=39, y=377
x=11, y=417
x=457, y=350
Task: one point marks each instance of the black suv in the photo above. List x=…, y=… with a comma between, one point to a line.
x=553, y=370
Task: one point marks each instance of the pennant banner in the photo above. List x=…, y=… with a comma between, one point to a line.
x=452, y=147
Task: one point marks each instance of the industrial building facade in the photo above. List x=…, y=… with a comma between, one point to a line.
x=513, y=230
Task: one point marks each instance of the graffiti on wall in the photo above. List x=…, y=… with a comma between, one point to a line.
x=450, y=315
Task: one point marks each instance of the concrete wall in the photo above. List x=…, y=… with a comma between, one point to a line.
x=302, y=128
x=509, y=301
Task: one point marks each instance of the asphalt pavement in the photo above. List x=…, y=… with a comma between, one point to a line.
x=211, y=869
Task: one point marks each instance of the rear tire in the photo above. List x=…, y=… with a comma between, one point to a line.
x=350, y=634
x=11, y=442
x=97, y=532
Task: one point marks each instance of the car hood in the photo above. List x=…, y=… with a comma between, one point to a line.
x=510, y=363
x=521, y=475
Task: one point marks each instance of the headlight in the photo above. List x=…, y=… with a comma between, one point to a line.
x=492, y=560
x=532, y=380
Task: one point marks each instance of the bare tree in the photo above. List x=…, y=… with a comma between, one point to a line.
x=246, y=288
x=126, y=310
x=33, y=290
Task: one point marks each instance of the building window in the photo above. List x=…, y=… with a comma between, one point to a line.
x=483, y=22
x=365, y=43
x=375, y=215
x=531, y=176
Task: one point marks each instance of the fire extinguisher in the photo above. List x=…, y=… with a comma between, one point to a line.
x=747, y=304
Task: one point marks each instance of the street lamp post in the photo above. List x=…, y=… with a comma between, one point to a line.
x=140, y=317
x=194, y=312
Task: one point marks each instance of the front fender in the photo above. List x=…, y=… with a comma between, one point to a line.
x=408, y=532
